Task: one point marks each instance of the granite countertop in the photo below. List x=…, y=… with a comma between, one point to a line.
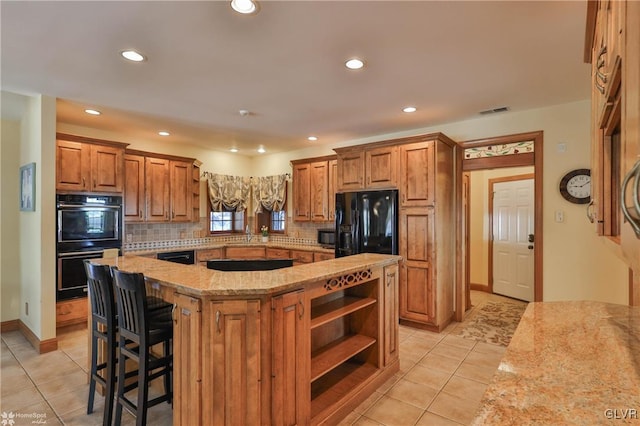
x=568, y=363
x=275, y=244
x=197, y=280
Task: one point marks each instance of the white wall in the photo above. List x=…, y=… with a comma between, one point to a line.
x=479, y=220
x=9, y=221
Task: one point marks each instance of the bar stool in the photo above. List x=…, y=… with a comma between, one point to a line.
x=138, y=333
x=103, y=315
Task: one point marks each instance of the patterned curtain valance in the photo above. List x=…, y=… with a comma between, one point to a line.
x=269, y=192
x=228, y=192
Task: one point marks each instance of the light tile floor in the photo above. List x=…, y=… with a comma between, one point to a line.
x=441, y=380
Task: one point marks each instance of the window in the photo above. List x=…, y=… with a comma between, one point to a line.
x=226, y=222
x=275, y=221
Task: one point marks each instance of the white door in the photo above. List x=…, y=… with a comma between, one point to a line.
x=513, y=235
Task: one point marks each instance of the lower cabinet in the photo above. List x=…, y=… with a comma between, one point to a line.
x=290, y=380
x=232, y=363
x=390, y=298
x=187, y=351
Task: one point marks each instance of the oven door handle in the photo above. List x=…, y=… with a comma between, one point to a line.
x=89, y=206
x=80, y=253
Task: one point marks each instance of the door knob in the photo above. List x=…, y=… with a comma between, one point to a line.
x=530, y=247
x=530, y=239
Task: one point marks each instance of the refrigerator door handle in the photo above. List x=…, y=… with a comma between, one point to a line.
x=356, y=233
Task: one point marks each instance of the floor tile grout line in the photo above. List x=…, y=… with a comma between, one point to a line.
x=34, y=383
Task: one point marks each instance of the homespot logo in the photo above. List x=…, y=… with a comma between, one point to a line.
x=10, y=418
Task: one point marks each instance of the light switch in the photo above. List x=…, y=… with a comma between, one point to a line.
x=562, y=147
x=559, y=216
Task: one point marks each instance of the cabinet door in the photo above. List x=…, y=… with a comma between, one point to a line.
x=351, y=171
x=320, y=256
x=318, y=191
x=417, y=174
x=73, y=166
x=417, y=295
x=391, y=278
x=187, y=353
x=301, y=257
x=181, y=190
x=245, y=253
x=234, y=360
x=106, y=168
x=301, y=197
x=277, y=253
x=133, y=188
x=381, y=167
x=333, y=187
x=157, y=189
x=291, y=358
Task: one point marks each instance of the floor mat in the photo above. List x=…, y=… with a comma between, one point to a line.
x=492, y=322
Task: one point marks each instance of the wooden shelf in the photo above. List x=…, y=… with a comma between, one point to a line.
x=335, y=353
x=335, y=385
x=337, y=308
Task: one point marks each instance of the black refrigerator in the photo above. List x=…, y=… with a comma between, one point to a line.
x=367, y=222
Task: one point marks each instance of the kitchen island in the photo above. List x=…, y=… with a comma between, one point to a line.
x=302, y=345
x=568, y=363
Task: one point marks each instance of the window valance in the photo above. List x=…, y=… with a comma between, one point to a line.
x=228, y=192
x=269, y=192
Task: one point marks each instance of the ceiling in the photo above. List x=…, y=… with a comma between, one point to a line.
x=285, y=65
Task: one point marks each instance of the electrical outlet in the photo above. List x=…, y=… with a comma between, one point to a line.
x=559, y=216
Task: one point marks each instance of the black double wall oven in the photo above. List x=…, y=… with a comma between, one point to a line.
x=87, y=224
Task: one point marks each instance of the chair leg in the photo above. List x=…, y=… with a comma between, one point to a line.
x=94, y=370
x=121, y=378
x=143, y=387
x=110, y=377
x=167, y=375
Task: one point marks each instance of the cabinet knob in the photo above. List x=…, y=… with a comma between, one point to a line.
x=218, y=321
x=83, y=183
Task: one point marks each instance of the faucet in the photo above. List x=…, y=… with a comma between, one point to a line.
x=249, y=234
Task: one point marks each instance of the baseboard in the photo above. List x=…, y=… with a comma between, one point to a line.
x=7, y=326
x=42, y=346
x=479, y=287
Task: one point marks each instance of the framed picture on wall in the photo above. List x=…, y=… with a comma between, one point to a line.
x=28, y=187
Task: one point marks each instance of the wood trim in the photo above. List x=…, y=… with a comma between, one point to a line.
x=479, y=287
x=401, y=141
x=537, y=162
x=515, y=160
x=85, y=139
x=634, y=288
x=314, y=159
x=42, y=346
x=158, y=155
x=490, y=205
x=11, y=325
x=590, y=29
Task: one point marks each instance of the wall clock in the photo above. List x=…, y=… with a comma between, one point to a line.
x=575, y=186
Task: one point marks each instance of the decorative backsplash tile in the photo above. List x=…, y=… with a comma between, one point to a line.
x=499, y=150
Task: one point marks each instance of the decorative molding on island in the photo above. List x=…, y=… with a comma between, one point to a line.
x=298, y=345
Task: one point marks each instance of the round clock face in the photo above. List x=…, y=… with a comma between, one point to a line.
x=575, y=186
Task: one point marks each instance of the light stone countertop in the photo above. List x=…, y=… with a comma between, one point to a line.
x=274, y=244
x=197, y=280
x=568, y=363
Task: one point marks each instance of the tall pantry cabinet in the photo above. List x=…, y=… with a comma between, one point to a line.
x=422, y=168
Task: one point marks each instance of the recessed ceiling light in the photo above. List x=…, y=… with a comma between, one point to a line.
x=245, y=7
x=132, y=55
x=234, y=150
x=409, y=109
x=261, y=150
x=354, y=64
x=163, y=133
x=312, y=138
x=92, y=111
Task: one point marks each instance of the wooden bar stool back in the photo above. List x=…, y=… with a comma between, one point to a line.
x=138, y=333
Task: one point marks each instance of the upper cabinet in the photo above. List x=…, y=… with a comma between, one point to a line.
x=160, y=189
x=417, y=177
x=313, y=189
x=85, y=164
x=363, y=168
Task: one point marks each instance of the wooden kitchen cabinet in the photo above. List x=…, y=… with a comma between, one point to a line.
x=290, y=367
x=232, y=365
x=301, y=257
x=371, y=167
x=333, y=188
x=311, y=189
x=203, y=255
x=160, y=189
x=320, y=256
x=187, y=351
x=86, y=164
x=277, y=253
x=417, y=177
x=391, y=314
x=244, y=252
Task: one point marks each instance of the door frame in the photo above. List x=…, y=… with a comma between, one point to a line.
x=490, y=205
x=534, y=159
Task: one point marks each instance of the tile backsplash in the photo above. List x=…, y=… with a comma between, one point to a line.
x=143, y=236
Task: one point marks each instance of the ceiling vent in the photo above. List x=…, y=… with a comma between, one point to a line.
x=494, y=110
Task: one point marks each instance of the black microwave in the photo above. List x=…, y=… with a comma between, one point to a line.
x=327, y=237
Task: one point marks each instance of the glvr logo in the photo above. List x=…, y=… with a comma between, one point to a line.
x=7, y=418
x=621, y=413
